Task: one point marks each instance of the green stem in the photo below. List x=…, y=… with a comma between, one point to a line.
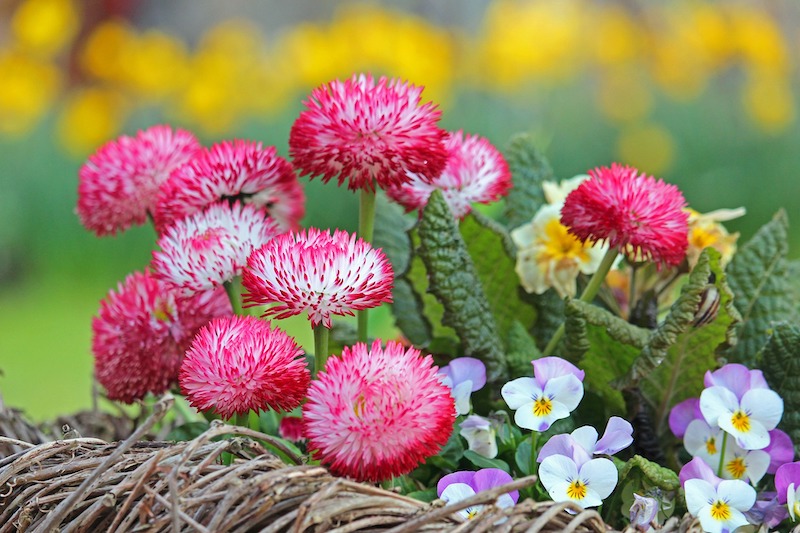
x=534, y=444
x=234, y=289
x=632, y=289
x=241, y=420
x=366, y=226
x=321, y=336
x=588, y=294
x=722, y=453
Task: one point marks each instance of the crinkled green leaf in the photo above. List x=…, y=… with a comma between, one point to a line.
x=521, y=349
x=407, y=308
x=793, y=274
x=492, y=253
x=529, y=169
x=484, y=462
x=780, y=362
x=654, y=474
x=758, y=276
x=549, y=316
x=605, y=345
x=455, y=283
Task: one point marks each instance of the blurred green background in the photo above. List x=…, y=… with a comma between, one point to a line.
x=702, y=94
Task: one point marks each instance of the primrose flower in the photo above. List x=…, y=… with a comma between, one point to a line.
x=549, y=256
x=317, y=273
x=555, y=390
x=749, y=419
x=475, y=172
x=240, y=364
x=211, y=247
x=720, y=505
x=787, y=483
x=367, y=132
x=464, y=375
x=459, y=486
x=556, y=193
x=141, y=332
x=376, y=413
x=586, y=484
x=119, y=183
x=640, y=216
x=480, y=434
x=706, y=231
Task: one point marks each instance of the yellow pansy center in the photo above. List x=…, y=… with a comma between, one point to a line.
x=711, y=446
x=472, y=511
x=559, y=244
x=542, y=406
x=736, y=467
x=720, y=511
x=577, y=490
x=740, y=421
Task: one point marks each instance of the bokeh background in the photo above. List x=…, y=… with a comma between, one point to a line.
x=700, y=93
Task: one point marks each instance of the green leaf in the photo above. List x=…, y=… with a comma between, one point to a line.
x=426, y=496
x=637, y=467
x=455, y=283
x=449, y=456
x=529, y=169
x=780, y=362
x=758, y=276
x=391, y=233
x=407, y=308
x=521, y=350
x=484, y=462
x=523, y=457
x=550, y=315
x=188, y=431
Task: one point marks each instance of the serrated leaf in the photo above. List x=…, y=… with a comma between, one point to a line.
x=529, y=169
x=654, y=474
x=455, y=283
x=780, y=362
x=758, y=276
x=492, y=252
x=484, y=462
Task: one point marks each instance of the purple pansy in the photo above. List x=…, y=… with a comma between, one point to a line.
x=464, y=375
x=462, y=485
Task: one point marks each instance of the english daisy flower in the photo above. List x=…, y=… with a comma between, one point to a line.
x=119, y=183
x=636, y=214
x=749, y=420
x=141, y=332
x=211, y=247
x=459, y=486
x=237, y=170
x=317, y=273
x=376, y=413
x=240, y=364
x=583, y=483
x=362, y=131
x=475, y=172
x=720, y=505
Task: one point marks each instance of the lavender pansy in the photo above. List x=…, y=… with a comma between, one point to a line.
x=748, y=419
x=719, y=504
x=682, y=415
x=462, y=485
x=787, y=483
x=736, y=378
x=780, y=450
x=480, y=434
x=464, y=375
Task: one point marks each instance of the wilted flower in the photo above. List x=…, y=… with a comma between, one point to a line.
x=119, y=183
x=643, y=512
x=240, y=364
x=720, y=505
x=480, y=434
x=366, y=132
x=317, y=273
x=459, y=486
x=706, y=231
x=376, y=413
x=464, y=375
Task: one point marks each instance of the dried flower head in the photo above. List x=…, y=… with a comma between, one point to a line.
x=475, y=172
x=317, y=273
x=377, y=413
x=240, y=364
x=366, y=132
x=142, y=331
x=233, y=170
x=640, y=216
x=119, y=183
x=212, y=246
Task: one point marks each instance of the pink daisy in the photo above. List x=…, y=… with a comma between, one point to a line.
x=240, y=364
x=238, y=170
x=119, y=183
x=375, y=414
x=475, y=172
x=211, y=247
x=291, y=429
x=317, y=273
x=362, y=132
x=637, y=214
x=142, y=331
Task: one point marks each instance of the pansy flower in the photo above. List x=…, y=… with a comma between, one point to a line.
x=719, y=504
x=617, y=436
x=464, y=375
x=459, y=486
x=480, y=434
x=748, y=419
x=787, y=483
x=585, y=484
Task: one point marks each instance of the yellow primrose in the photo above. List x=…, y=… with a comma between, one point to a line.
x=706, y=231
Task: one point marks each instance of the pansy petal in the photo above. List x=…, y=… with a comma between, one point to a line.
x=468, y=368
x=520, y=391
x=697, y=439
x=755, y=438
x=765, y=405
x=698, y=469
x=563, y=444
x=716, y=402
x=757, y=464
x=456, y=492
x=711, y=524
x=567, y=390
x=601, y=476
x=737, y=493
x=547, y=368
x=698, y=493
x=617, y=436
x=682, y=414
x=489, y=478
x=780, y=450
x=461, y=394
x=734, y=377
x=525, y=416
x=787, y=474
x=504, y=500
x=557, y=469
x=586, y=437
x=464, y=477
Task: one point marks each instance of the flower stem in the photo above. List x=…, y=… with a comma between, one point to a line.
x=588, y=294
x=534, y=444
x=321, y=335
x=722, y=453
x=366, y=226
x=234, y=289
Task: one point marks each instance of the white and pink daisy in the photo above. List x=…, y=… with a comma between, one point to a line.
x=459, y=486
x=719, y=504
x=119, y=183
x=141, y=332
x=240, y=364
x=475, y=172
x=233, y=170
x=319, y=274
x=363, y=132
x=211, y=247
x=376, y=413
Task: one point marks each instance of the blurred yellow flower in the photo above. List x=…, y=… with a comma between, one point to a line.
x=617, y=39
x=89, y=118
x=769, y=101
x=103, y=54
x=155, y=65
x=27, y=90
x=648, y=147
x=45, y=26
x=624, y=95
x=706, y=231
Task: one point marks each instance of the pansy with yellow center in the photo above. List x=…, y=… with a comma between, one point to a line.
x=787, y=483
x=584, y=483
x=747, y=465
x=719, y=504
x=461, y=485
x=748, y=419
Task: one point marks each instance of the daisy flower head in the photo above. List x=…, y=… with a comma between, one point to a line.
x=719, y=504
x=211, y=247
x=459, y=486
x=364, y=132
x=233, y=170
x=375, y=413
x=317, y=273
x=640, y=216
x=141, y=332
x=748, y=419
x=475, y=172
x=552, y=394
x=240, y=364
x=548, y=255
x=119, y=183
